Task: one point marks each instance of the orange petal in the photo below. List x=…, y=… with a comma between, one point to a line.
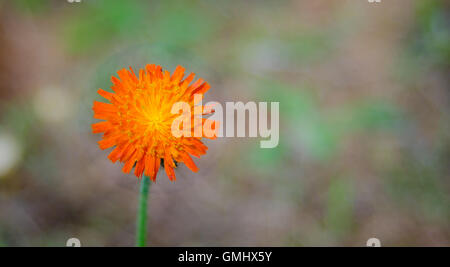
x=210, y=128
x=117, y=87
x=157, y=164
x=149, y=166
x=178, y=74
x=105, y=94
x=101, y=127
x=124, y=76
x=168, y=165
x=109, y=142
x=129, y=151
x=195, y=85
x=128, y=166
x=170, y=172
x=103, y=111
x=117, y=153
x=202, y=89
x=189, y=78
x=139, y=169
x=189, y=162
x=133, y=75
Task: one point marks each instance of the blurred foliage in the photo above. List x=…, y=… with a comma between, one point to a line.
x=307, y=46
x=433, y=36
x=101, y=23
x=428, y=42
x=181, y=23
x=33, y=6
x=321, y=130
x=267, y=161
x=340, y=206
x=18, y=118
x=420, y=187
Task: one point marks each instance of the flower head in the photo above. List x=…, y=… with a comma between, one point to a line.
x=138, y=120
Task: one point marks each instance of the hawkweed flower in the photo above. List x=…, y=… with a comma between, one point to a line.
x=138, y=120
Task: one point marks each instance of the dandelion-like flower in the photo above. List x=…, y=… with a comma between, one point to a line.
x=138, y=120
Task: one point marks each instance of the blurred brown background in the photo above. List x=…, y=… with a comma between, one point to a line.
x=364, y=122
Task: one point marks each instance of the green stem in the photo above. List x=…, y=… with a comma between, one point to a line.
x=141, y=231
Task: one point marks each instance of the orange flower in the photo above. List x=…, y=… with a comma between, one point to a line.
x=138, y=120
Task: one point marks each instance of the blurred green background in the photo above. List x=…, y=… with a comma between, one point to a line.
x=364, y=96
